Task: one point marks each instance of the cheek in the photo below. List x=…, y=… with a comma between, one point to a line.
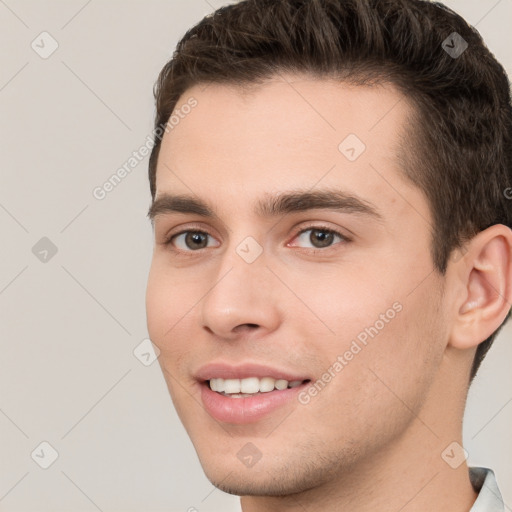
x=168, y=301
x=402, y=360
x=158, y=304
x=378, y=325
x=347, y=299
x=366, y=397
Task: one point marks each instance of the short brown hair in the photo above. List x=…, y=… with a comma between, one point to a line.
x=460, y=151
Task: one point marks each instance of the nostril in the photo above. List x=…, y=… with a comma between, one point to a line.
x=246, y=327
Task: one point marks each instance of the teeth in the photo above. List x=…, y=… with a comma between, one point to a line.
x=281, y=384
x=267, y=384
x=250, y=385
x=232, y=386
x=240, y=388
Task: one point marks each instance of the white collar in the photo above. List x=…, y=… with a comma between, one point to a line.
x=489, y=496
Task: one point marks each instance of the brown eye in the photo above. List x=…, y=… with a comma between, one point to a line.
x=196, y=240
x=319, y=237
x=323, y=238
x=190, y=240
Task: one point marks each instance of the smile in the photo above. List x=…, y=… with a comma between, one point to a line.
x=246, y=393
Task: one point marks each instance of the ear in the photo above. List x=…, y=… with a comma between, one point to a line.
x=484, y=287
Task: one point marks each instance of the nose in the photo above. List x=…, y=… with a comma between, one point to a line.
x=243, y=299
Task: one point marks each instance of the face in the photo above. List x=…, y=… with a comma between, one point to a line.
x=295, y=279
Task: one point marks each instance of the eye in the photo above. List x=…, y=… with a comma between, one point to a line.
x=320, y=237
x=189, y=241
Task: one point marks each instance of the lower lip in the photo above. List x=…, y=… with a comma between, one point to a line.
x=241, y=411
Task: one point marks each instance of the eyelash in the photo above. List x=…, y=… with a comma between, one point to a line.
x=323, y=229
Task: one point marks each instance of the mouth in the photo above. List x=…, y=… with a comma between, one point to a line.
x=247, y=393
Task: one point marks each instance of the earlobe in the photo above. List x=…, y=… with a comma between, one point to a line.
x=486, y=292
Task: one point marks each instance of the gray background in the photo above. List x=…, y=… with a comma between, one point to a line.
x=69, y=326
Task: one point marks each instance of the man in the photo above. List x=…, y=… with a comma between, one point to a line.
x=333, y=256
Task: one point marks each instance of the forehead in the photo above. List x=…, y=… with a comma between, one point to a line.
x=292, y=131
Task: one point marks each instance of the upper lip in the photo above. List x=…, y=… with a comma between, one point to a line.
x=223, y=370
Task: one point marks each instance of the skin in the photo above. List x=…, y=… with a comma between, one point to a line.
x=372, y=439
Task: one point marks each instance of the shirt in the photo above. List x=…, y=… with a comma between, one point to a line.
x=489, y=496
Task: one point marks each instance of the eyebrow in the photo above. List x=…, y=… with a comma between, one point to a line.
x=270, y=205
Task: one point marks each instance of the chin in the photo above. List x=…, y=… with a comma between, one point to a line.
x=239, y=486
x=263, y=479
